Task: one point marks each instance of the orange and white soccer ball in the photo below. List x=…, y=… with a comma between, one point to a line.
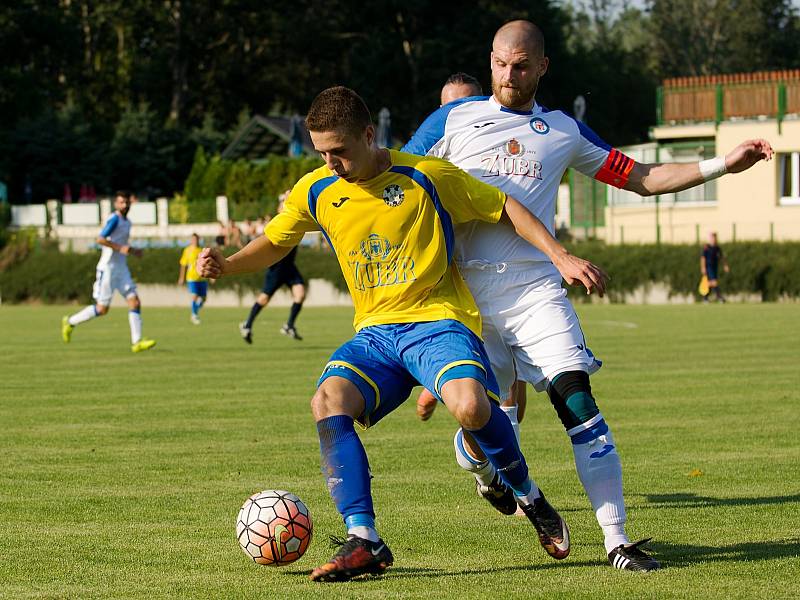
x=274, y=527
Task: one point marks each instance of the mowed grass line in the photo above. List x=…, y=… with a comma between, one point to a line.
x=121, y=475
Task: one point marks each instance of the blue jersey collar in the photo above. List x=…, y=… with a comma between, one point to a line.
x=527, y=113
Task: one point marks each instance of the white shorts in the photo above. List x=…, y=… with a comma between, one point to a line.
x=110, y=279
x=530, y=329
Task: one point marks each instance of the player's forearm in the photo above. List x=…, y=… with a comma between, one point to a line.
x=109, y=244
x=255, y=256
x=663, y=178
x=532, y=230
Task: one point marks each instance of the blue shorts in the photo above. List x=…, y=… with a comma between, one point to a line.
x=198, y=288
x=386, y=361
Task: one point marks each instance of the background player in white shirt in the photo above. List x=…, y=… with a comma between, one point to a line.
x=113, y=275
x=530, y=329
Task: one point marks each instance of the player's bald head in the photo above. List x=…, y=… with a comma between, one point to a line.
x=520, y=34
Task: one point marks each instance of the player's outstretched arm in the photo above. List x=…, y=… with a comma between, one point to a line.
x=258, y=254
x=666, y=178
x=573, y=269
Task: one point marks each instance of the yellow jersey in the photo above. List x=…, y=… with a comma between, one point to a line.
x=188, y=259
x=393, y=236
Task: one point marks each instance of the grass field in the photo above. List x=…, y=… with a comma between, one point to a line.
x=121, y=475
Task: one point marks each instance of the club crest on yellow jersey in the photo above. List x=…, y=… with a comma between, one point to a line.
x=393, y=195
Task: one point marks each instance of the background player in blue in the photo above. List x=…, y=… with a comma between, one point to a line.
x=389, y=218
x=459, y=85
x=710, y=259
x=113, y=275
x=530, y=330
x=283, y=272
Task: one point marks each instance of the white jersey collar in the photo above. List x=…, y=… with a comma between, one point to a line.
x=535, y=109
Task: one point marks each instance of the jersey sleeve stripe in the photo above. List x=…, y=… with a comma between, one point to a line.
x=590, y=135
x=110, y=226
x=313, y=195
x=444, y=217
x=432, y=128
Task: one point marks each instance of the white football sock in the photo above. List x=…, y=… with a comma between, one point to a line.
x=483, y=470
x=600, y=472
x=511, y=413
x=85, y=314
x=367, y=533
x=135, y=320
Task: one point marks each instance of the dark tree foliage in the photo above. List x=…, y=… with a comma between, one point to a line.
x=120, y=93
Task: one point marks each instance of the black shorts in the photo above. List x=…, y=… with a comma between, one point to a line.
x=275, y=278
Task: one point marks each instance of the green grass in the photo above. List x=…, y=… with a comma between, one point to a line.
x=121, y=475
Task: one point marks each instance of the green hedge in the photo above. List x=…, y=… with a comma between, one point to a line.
x=50, y=276
x=771, y=270
x=252, y=188
x=768, y=269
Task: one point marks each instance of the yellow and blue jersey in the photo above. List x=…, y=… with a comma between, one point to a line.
x=188, y=260
x=393, y=236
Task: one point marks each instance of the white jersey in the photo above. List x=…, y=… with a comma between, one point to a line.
x=117, y=229
x=523, y=153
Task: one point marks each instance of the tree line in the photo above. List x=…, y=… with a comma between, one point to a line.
x=121, y=93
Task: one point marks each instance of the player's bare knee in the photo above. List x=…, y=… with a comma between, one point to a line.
x=101, y=309
x=336, y=396
x=467, y=402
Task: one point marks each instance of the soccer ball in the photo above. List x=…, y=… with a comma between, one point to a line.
x=274, y=527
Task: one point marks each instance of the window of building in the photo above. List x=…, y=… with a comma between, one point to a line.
x=682, y=152
x=789, y=178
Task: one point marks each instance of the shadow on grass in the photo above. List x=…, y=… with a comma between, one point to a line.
x=688, y=500
x=686, y=555
x=424, y=572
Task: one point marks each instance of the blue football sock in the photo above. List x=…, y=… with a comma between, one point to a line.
x=195, y=306
x=346, y=470
x=499, y=444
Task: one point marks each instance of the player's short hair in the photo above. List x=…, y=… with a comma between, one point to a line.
x=464, y=79
x=338, y=109
x=124, y=193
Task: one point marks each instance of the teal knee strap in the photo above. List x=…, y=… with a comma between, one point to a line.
x=571, y=396
x=582, y=407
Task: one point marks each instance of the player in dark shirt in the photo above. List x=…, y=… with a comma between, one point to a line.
x=284, y=272
x=710, y=259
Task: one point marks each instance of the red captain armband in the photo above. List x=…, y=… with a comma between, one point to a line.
x=616, y=170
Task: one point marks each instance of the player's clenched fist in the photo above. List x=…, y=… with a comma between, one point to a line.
x=746, y=154
x=210, y=263
x=426, y=404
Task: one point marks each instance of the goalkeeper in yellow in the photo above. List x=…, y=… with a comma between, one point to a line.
x=389, y=217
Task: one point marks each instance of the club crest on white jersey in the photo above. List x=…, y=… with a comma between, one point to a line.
x=524, y=153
